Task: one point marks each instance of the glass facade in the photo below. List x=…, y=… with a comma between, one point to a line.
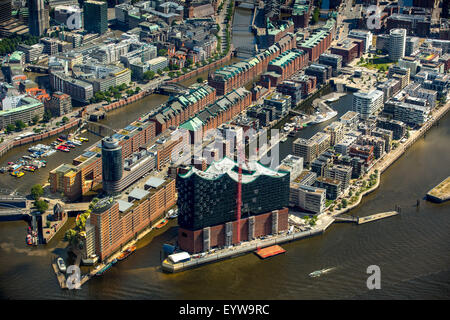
x=112, y=167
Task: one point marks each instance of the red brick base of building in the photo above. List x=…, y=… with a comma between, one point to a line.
x=192, y=240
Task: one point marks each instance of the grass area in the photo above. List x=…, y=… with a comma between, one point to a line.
x=377, y=63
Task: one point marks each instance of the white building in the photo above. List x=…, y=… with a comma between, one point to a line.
x=308, y=198
x=292, y=164
x=362, y=35
x=367, y=103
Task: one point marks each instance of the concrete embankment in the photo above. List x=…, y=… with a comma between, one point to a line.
x=244, y=248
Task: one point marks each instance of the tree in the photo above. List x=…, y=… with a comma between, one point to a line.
x=41, y=205
x=10, y=127
x=20, y=125
x=47, y=116
x=199, y=80
x=316, y=15
x=35, y=119
x=37, y=191
x=137, y=89
x=65, y=119
x=189, y=62
x=344, y=203
x=149, y=75
x=162, y=52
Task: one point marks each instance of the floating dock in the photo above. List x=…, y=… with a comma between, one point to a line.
x=60, y=276
x=269, y=251
x=441, y=192
x=377, y=216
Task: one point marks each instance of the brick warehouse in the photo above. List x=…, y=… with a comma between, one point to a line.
x=319, y=41
x=182, y=107
x=284, y=66
x=239, y=74
x=223, y=110
x=116, y=222
x=208, y=212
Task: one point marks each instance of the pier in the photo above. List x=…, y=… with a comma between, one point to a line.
x=441, y=192
x=377, y=216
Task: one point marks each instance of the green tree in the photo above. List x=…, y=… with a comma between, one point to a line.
x=20, y=125
x=137, y=90
x=10, y=127
x=344, y=203
x=35, y=119
x=47, y=116
x=65, y=119
x=199, y=80
x=162, y=52
x=37, y=191
x=41, y=205
x=149, y=75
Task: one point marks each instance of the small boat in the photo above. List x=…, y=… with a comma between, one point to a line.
x=318, y=273
x=17, y=174
x=284, y=139
x=173, y=214
x=61, y=265
x=106, y=268
x=126, y=253
x=162, y=224
x=29, y=239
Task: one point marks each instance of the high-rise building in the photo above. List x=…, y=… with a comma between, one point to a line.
x=95, y=16
x=397, y=44
x=38, y=20
x=207, y=204
x=112, y=168
x=5, y=10
x=367, y=103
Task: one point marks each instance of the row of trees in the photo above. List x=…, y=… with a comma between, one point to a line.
x=10, y=44
x=37, y=191
x=112, y=92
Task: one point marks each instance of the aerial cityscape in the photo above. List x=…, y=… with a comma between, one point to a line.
x=224, y=149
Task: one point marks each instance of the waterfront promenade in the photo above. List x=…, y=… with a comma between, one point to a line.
x=388, y=159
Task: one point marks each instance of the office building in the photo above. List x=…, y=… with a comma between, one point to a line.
x=112, y=167
x=397, y=44
x=60, y=104
x=38, y=17
x=95, y=16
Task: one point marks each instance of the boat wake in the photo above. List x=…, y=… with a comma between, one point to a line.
x=318, y=273
x=8, y=247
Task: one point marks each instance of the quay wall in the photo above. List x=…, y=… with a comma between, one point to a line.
x=5, y=147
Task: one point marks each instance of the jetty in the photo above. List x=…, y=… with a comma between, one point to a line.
x=59, y=276
x=441, y=192
x=377, y=216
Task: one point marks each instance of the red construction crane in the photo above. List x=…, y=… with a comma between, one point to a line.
x=241, y=157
